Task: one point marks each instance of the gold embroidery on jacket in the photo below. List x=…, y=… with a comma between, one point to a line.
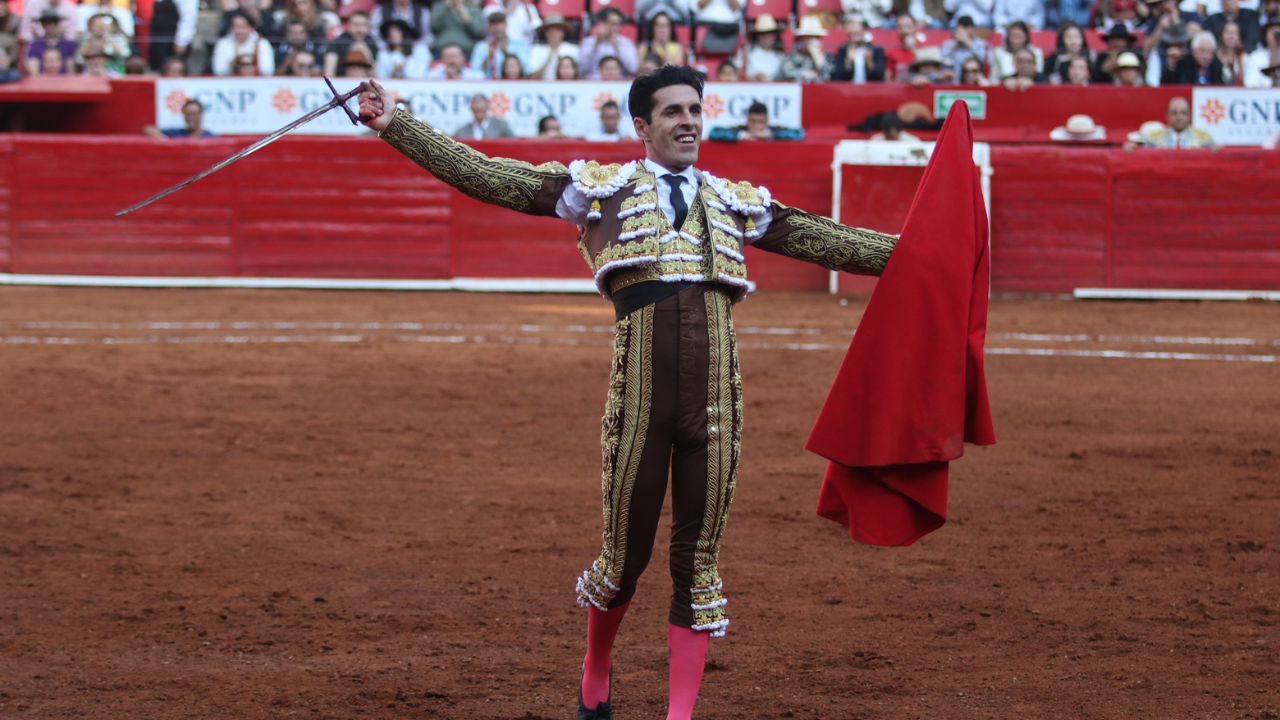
x=836, y=247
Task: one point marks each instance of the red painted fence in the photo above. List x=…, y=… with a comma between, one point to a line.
x=1061, y=217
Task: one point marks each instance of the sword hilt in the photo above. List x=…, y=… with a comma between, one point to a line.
x=342, y=99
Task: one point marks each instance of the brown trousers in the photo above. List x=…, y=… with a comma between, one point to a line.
x=674, y=410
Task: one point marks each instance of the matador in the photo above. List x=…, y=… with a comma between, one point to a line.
x=664, y=241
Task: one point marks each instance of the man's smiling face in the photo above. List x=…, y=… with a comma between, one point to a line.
x=672, y=136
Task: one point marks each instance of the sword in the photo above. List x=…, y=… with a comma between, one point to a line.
x=337, y=101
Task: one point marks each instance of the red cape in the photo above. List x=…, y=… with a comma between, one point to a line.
x=911, y=390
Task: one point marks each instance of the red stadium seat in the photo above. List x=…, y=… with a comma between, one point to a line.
x=804, y=7
x=628, y=31
x=568, y=9
x=781, y=10
x=626, y=7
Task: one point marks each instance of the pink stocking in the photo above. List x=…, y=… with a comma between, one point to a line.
x=688, y=658
x=602, y=628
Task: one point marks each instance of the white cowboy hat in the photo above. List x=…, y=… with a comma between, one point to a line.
x=811, y=26
x=765, y=24
x=1079, y=127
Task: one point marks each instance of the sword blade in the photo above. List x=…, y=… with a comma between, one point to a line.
x=335, y=102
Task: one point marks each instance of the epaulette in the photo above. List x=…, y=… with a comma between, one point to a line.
x=743, y=198
x=598, y=181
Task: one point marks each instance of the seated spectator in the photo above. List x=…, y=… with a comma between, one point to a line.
x=356, y=64
x=927, y=13
x=1070, y=45
x=726, y=71
x=567, y=69
x=9, y=24
x=1173, y=44
x=649, y=63
x=1272, y=73
x=1231, y=54
x=605, y=41
x=173, y=27
x=964, y=44
x=720, y=18
x=296, y=39
x=1024, y=72
x=1076, y=12
x=1161, y=14
x=929, y=68
x=971, y=73
x=512, y=69
x=488, y=56
x=523, y=19
x=402, y=55
x=52, y=37
x=611, y=129
x=1129, y=70
x=453, y=66
x=1078, y=72
x=979, y=11
x=263, y=22
x=549, y=129
x=37, y=13
x=873, y=13
x=456, y=22
x=105, y=39
x=412, y=14
x=96, y=61
x=1016, y=37
x=313, y=19
x=677, y=10
x=757, y=128
x=857, y=60
x=544, y=56
x=898, y=59
x=610, y=69
x=1119, y=40
x=1177, y=133
x=808, y=62
x=483, y=126
x=302, y=63
x=136, y=65
x=120, y=15
x=174, y=67
x=192, y=116
x=358, y=36
x=52, y=62
x=245, y=66
x=8, y=73
x=1031, y=13
x=242, y=40
x=1250, y=27
x=764, y=52
x=1256, y=62
x=1270, y=12
x=1202, y=66
x=1117, y=12
x=662, y=41
x=892, y=130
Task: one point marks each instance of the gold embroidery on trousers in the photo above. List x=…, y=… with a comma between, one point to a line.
x=622, y=437
x=836, y=247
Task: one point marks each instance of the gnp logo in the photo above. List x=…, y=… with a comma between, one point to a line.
x=601, y=99
x=284, y=101
x=1212, y=111
x=175, y=100
x=712, y=106
x=499, y=104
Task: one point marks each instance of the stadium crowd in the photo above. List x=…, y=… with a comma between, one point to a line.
x=1015, y=43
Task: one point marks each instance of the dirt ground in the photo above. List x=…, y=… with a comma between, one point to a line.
x=261, y=504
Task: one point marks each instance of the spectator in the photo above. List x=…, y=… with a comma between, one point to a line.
x=764, y=53
x=1161, y=14
x=1117, y=12
x=857, y=60
x=107, y=41
x=874, y=13
x=8, y=73
x=1016, y=37
x=193, y=120
x=488, y=56
x=808, y=62
x=1119, y=40
x=1024, y=72
x=402, y=55
x=1178, y=133
x=242, y=40
x=1230, y=54
x=413, y=14
x=979, y=11
x=1250, y=27
x=898, y=59
x=1076, y=12
x=1256, y=62
x=356, y=64
x=456, y=22
x=677, y=10
x=512, y=69
x=1028, y=12
x=610, y=69
x=483, y=126
x=121, y=15
x=721, y=19
x=263, y=22
x=610, y=129
x=604, y=41
x=567, y=69
x=1078, y=72
x=1129, y=70
x=927, y=13
x=971, y=73
x=1174, y=43
x=757, y=128
x=52, y=62
x=522, y=18
x=1070, y=45
x=174, y=67
x=1270, y=12
x=1272, y=73
x=9, y=24
x=245, y=66
x=313, y=19
x=964, y=44
x=51, y=38
x=892, y=130
x=302, y=63
x=96, y=61
x=549, y=129
x=358, y=36
x=662, y=41
x=296, y=39
x=929, y=68
x=726, y=71
x=453, y=66
x=649, y=63
x=1202, y=66
x=544, y=57
x=41, y=12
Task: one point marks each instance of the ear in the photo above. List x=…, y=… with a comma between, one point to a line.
x=641, y=128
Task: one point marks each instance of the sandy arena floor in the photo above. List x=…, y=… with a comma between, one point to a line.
x=260, y=504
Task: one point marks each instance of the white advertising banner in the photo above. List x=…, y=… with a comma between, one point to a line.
x=257, y=106
x=1236, y=116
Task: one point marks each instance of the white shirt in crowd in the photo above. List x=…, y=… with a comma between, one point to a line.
x=226, y=50
x=522, y=21
x=539, y=54
x=716, y=11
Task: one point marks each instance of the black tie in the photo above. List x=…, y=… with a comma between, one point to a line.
x=677, y=198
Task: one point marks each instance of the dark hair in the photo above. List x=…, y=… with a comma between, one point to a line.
x=195, y=102
x=965, y=21
x=654, y=21
x=357, y=12
x=1062, y=31
x=603, y=15
x=542, y=123
x=1026, y=33
x=641, y=102
x=609, y=104
x=758, y=108
x=890, y=121
x=242, y=14
x=607, y=58
x=574, y=63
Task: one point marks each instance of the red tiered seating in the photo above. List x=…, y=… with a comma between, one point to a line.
x=626, y=7
x=781, y=10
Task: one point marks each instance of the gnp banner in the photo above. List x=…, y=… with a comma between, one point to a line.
x=1236, y=116
x=257, y=106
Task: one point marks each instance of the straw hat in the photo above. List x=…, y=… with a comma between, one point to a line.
x=926, y=56
x=553, y=21
x=1079, y=127
x=1128, y=60
x=1149, y=129
x=811, y=26
x=765, y=24
x=357, y=57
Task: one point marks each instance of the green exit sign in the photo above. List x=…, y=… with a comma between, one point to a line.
x=975, y=99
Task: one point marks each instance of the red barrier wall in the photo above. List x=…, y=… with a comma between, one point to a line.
x=322, y=207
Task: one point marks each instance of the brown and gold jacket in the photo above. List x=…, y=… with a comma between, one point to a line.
x=627, y=238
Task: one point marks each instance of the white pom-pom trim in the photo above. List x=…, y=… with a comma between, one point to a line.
x=732, y=200
x=727, y=228
x=680, y=256
x=678, y=277
x=642, y=189
x=718, y=603
x=730, y=252
x=637, y=209
x=731, y=280
x=638, y=232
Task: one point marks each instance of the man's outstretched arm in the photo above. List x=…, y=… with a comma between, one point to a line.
x=512, y=184
x=823, y=241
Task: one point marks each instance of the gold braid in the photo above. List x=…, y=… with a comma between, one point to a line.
x=828, y=243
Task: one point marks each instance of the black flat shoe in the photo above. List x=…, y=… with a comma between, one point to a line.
x=603, y=711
